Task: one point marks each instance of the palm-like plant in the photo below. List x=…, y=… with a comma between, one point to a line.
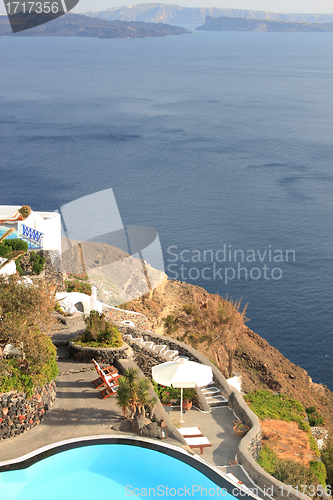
x=130, y=374
x=123, y=396
x=133, y=394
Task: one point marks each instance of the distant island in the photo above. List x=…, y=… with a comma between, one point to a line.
x=84, y=26
x=176, y=14
x=239, y=24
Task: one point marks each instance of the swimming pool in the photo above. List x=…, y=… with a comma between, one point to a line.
x=11, y=236
x=113, y=469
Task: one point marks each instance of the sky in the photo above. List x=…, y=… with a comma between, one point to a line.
x=293, y=6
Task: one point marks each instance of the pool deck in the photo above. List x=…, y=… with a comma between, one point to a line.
x=80, y=411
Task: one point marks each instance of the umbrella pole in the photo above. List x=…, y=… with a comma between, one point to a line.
x=181, y=405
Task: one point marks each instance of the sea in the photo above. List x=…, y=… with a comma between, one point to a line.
x=220, y=141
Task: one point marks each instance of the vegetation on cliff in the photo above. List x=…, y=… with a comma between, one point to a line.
x=289, y=454
x=25, y=322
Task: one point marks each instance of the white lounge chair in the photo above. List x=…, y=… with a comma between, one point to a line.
x=198, y=442
x=188, y=432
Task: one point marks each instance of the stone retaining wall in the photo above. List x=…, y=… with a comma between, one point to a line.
x=250, y=445
x=110, y=356
x=119, y=315
x=18, y=413
x=52, y=270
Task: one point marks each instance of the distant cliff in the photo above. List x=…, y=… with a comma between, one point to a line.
x=175, y=14
x=238, y=24
x=79, y=25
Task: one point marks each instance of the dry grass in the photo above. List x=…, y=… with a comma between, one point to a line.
x=287, y=440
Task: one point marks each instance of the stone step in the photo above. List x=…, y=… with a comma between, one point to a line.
x=213, y=390
x=215, y=399
x=169, y=354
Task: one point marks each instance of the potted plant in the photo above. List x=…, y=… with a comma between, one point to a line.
x=241, y=430
x=164, y=393
x=166, y=398
x=188, y=395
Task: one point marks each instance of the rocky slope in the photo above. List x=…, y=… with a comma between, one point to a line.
x=261, y=365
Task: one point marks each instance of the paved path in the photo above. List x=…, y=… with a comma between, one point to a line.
x=79, y=410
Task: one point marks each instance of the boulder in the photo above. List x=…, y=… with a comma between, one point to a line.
x=151, y=430
x=139, y=423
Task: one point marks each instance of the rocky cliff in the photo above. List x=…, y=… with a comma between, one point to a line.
x=85, y=26
x=261, y=365
x=164, y=13
x=239, y=24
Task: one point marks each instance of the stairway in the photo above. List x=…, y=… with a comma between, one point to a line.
x=213, y=396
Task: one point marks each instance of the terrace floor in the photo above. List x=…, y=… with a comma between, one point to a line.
x=80, y=411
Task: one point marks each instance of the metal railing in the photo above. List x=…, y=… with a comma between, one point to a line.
x=33, y=237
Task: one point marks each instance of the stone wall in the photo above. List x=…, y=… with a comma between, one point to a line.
x=18, y=413
x=118, y=315
x=110, y=356
x=52, y=271
x=250, y=445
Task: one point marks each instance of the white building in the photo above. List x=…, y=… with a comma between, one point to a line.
x=39, y=230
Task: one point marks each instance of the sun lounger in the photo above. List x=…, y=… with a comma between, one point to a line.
x=188, y=432
x=109, y=390
x=198, y=442
x=110, y=373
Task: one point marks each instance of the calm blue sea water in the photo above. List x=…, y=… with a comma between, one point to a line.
x=213, y=139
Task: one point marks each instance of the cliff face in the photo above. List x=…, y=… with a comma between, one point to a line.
x=165, y=13
x=78, y=25
x=239, y=24
x=261, y=365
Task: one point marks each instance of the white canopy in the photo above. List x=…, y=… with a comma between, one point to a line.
x=182, y=373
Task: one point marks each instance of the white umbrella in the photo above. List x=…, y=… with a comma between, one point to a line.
x=182, y=373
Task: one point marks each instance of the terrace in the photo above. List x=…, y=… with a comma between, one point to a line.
x=79, y=412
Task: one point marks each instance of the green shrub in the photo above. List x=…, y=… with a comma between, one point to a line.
x=170, y=324
x=167, y=394
x=318, y=468
x=99, y=332
x=265, y=404
x=38, y=262
x=8, y=246
x=189, y=308
x=295, y=474
x=314, y=417
x=267, y=459
x=5, y=249
x=18, y=267
x=13, y=378
x=77, y=283
x=18, y=245
x=327, y=458
x=22, y=309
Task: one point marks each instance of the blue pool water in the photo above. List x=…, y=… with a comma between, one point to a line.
x=11, y=236
x=108, y=471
